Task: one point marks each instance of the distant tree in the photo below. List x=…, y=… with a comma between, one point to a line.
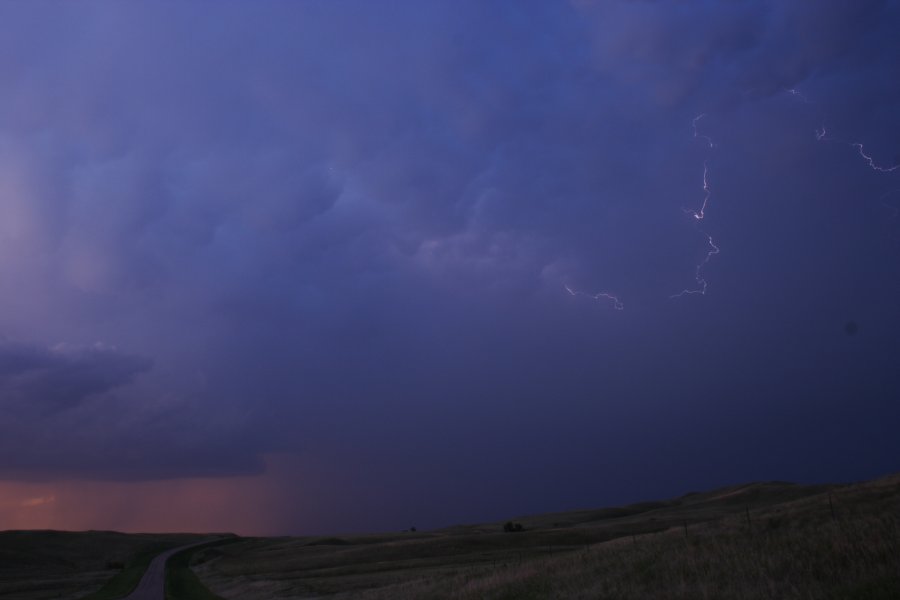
x=413, y=529
x=512, y=526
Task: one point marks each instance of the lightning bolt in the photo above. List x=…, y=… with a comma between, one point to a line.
x=699, y=136
x=798, y=95
x=871, y=160
x=699, y=215
x=822, y=136
x=698, y=272
x=599, y=296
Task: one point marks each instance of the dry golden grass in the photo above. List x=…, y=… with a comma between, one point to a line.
x=793, y=548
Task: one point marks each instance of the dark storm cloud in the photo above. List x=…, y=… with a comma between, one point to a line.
x=71, y=411
x=347, y=233
x=51, y=379
x=727, y=52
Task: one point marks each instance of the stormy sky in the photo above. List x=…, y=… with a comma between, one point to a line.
x=292, y=267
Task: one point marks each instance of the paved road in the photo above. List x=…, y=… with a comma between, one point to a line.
x=153, y=583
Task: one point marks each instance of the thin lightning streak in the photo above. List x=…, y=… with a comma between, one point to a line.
x=616, y=303
x=797, y=94
x=871, y=161
x=699, y=215
x=698, y=275
x=822, y=136
x=699, y=136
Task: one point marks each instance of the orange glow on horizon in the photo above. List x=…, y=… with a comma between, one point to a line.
x=247, y=505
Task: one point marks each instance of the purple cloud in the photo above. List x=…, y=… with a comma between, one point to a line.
x=349, y=233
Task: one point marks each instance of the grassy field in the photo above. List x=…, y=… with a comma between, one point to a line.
x=764, y=540
x=761, y=540
x=95, y=565
x=181, y=581
x=123, y=583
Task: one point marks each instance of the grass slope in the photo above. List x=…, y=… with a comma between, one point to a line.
x=126, y=580
x=762, y=540
x=181, y=582
x=38, y=565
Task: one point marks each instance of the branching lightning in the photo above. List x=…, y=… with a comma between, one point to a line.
x=699, y=215
x=599, y=296
x=698, y=275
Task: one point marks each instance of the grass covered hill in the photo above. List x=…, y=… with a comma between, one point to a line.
x=38, y=565
x=760, y=540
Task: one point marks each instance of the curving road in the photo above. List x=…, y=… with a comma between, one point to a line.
x=153, y=583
